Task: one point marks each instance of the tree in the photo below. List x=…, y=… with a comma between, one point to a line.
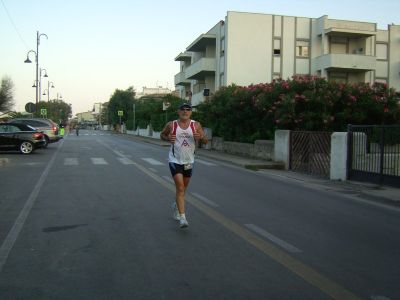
x=57, y=110
x=6, y=94
x=121, y=100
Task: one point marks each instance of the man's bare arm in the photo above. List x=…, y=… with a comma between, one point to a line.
x=165, y=133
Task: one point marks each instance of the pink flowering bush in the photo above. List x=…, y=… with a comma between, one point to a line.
x=253, y=112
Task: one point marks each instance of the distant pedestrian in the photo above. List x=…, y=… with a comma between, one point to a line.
x=77, y=130
x=183, y=134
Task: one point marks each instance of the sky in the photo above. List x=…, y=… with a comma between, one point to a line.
x=96, y=47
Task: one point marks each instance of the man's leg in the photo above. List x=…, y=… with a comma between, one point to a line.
x=180, y=188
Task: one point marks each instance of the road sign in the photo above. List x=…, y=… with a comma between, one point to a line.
x=166, y=105
x=43, y=112
x=30, y=107
x=120, y=113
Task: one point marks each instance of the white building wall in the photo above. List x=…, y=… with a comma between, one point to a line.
x=248, y=41
x=394, y=56
x=288, y=47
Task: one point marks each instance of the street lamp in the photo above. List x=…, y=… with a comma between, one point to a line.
x=40, y=81
x=59, y=96
x=48, y=89
x=37, y=64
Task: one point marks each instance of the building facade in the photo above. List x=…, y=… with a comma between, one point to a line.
x=156, y=91
x=249, y=48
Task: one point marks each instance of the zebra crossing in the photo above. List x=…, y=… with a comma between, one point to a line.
x=101, y=161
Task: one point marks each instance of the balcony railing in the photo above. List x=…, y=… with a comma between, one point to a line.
x=346, y=61
x=180, y=79
x=201, y=68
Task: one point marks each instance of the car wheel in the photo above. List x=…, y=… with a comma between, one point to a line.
x=26, y=147
x=46, y=143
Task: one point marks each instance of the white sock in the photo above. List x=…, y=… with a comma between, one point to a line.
x=182, y=216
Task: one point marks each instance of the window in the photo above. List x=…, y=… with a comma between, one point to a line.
x=277, y=47
x=302, y=48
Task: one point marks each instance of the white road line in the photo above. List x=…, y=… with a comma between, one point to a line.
x=168, y=179
x=125, y=161
x=377, y=297
x=152, y=161
x=153, y=170
x=70, y=161
x=205, y=162
x=98, y=161
x=205, y=200
x=288, y=247
x=12, y=236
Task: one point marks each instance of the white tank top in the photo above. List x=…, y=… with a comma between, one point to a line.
x=182, y=151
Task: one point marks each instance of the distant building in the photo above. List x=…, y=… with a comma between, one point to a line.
x=154, y=92
x=249, y=48
x=86, y=118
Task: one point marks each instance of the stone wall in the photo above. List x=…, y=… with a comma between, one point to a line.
x=261, y=149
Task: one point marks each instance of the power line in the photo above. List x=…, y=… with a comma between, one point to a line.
x=13, y=24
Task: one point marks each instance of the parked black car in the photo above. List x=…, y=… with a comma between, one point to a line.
x=47, y=126
x=26, y=139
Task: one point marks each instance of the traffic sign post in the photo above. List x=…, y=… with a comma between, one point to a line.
x=43, y=112
x=120, y=114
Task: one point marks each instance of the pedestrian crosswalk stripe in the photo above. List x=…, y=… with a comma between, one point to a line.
x=98, y=161
x=125, y=161
x=210, y=164
x=70, y=161
x=152, y=161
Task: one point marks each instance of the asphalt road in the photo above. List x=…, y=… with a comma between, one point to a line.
x=90, y=218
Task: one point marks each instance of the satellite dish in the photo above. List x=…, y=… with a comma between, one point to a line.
x=30, y=107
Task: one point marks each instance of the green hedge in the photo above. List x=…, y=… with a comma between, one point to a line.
x=245, y=114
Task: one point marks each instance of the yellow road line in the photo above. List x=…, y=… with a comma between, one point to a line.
x=310, y=275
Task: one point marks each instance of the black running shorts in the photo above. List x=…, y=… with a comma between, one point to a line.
x=177, y=168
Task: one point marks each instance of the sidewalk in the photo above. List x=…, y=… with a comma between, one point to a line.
x=383, y=194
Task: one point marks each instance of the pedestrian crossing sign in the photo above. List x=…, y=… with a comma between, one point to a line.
x=43, y=112
x=120, y=113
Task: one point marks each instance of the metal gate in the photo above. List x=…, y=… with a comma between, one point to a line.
x=310, y=152
x=374, y=154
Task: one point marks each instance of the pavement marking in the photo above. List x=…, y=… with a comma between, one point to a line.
x=288, y=247
x=153, y=170
x=302, y=270
x=70, y=161
x=205, y=200
x=98, y=161
x=125, y=161
x=378, y=297
x=169, y=179
x=152, y=161
x=210, y=164
x=12, y=236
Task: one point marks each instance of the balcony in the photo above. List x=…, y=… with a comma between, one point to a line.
x=350, y=28
x=201, y=68
x=350, y=62
x=201, y=43
x=184, y=57
x=180, y=79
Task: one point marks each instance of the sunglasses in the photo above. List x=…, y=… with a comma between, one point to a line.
x=185, y=109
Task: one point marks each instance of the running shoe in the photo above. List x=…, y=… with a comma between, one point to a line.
x=175, y=214
x=183, y=223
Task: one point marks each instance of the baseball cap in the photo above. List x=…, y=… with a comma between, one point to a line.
x=185, y=105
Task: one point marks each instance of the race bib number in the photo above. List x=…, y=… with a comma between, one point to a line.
x=187, y=167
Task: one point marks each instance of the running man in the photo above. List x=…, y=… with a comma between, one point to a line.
x=183, y=134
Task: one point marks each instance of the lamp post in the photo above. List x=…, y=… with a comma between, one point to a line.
x=40, y=81
x=37, y=64
x=59, y=96
x=48, y=89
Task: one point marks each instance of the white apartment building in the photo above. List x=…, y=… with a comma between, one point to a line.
x=249, y=48
x=159, y=90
